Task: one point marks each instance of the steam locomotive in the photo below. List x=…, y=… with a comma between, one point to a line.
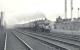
x=39, y=26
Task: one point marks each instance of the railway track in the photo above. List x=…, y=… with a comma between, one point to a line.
x=76, y=43
x=58, y=42
x=65, y=36
x=44, y=42
x=62, y=35
x=15, y=43
x=27, y=46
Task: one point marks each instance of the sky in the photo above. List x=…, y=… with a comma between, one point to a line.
x=15, y=9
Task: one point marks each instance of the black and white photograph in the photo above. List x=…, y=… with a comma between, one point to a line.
x=39, y=24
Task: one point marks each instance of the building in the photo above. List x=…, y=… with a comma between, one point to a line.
x=67, y=24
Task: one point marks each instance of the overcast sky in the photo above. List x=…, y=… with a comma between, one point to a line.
x=51, y=8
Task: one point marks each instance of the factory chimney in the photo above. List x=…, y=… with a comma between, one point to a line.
x=78, y=12
x=65, y=9
x=71, y=9
x=1, y=18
